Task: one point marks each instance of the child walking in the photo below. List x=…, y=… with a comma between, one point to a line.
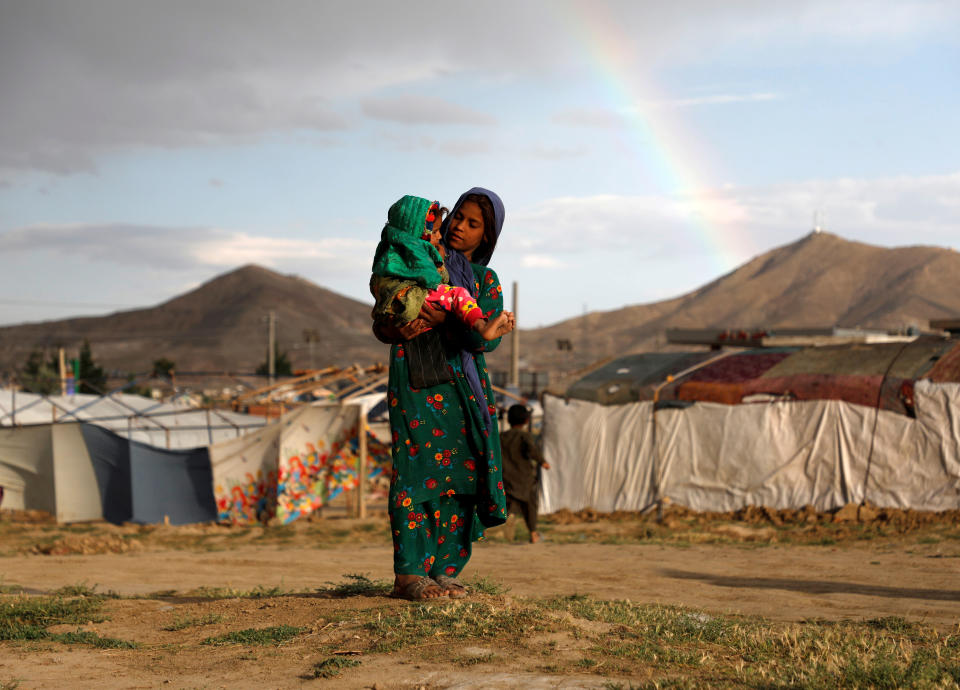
x=522, y=461
x=408, y=271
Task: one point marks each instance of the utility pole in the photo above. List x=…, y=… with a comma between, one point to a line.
x=272, y=345
x=515, y=349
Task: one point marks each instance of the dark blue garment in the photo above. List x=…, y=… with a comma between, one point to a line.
x=461, y=274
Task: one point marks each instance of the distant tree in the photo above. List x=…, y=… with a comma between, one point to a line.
x=134, y=389
x=163, y=368
x=40, y=375
x=282, y=366
x=92, y=378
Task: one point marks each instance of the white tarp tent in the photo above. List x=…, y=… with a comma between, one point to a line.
x=164, y=425
x=714, y=457
x=47, y=467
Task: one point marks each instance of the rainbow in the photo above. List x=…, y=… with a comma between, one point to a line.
x=665, y=150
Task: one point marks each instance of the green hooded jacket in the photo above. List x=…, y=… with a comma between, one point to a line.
x=405, y=266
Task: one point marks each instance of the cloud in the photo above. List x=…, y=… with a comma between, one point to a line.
x=541, y=261
x=419, y=110
x=606, y=118
x=465, y=147
x=717, y=99
x=739, y=222
x=184, y=249
x=598, y=117
x=79, y=80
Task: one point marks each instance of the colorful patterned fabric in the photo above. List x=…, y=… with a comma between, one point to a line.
x=457, y=301
x=293, y=467
x=434, y=537
x=441, y=446
x=342, y=468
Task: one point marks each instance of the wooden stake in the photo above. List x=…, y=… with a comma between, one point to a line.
x=362, y=463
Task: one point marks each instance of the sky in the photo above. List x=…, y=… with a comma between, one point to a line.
x=641, y=149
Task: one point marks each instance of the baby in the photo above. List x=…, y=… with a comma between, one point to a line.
x=408, y=271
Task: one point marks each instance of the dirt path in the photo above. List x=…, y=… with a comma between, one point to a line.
x=917, y=581
x=854, y=573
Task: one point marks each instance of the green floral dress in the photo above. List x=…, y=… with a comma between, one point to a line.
x=447, y=479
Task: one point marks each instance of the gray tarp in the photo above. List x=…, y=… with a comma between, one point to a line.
x=141, y=483
x=780, y=454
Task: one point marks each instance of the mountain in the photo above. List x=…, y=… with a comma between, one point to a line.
x=219, y=326
x=820, y=280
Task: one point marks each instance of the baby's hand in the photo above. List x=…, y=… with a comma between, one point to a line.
x=507, y=322
x=511, y=321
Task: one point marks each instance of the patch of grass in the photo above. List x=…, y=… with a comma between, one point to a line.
x=28, y=618
x=357, y=585
x=258, y=592
x=193, y=622
x=93, y=639
x=331, y=667
x=651, y=621
x=78, y=590
x=894, y=624
x=275, y=635
x=929, y=540
x=462, y=620
x=10, y=589
x=486, y=585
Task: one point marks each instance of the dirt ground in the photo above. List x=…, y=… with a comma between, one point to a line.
x=800, y=569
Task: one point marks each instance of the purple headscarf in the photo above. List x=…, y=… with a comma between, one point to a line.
x=462, y=274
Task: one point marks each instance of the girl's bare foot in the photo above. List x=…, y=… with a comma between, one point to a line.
x=534, y=537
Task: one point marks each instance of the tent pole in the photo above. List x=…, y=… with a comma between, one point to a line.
x=361, y=463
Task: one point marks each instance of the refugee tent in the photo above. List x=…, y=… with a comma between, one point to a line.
x=290, y=468
x=80, y=472
x=84, y=471
x=47, y=467
x=782, y=428
x=164, y=425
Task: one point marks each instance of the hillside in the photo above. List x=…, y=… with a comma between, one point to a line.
x=820, y=280
x=220, y=326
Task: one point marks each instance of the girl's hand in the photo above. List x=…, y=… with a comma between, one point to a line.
x=413, y=329
x=431, y=316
